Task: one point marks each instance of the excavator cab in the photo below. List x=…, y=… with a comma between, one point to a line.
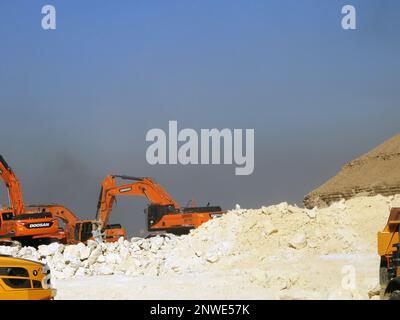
x=83, y=231
x=6, y=223
x=156, y=212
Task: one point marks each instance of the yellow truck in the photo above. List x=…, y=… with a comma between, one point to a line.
x=22, y=279
x=389, y=251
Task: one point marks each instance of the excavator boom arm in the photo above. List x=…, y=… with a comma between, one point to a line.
x=140, y=187
x=13, y=186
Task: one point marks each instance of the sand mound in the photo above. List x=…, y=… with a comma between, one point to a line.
x=289, y=251
x=377, y=172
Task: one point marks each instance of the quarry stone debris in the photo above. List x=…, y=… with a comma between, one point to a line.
x=310, y=246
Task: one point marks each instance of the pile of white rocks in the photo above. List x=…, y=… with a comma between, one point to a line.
x=256, y=244
x=135, y=257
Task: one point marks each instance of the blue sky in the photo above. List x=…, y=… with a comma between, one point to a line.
x=76, y=102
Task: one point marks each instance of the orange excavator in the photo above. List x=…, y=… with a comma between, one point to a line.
x=30, y=227
x=163, y=212
x=39, y=223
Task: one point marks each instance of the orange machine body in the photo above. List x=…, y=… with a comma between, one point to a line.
x=163, y=212
x=159, y=219
x=32, y=224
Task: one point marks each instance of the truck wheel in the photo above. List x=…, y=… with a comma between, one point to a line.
x=395, y=295
x=383, y=276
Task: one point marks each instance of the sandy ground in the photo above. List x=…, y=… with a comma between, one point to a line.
x=327, y=272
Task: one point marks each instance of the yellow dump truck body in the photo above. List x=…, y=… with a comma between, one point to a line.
x=22, y=279
x=389, y=236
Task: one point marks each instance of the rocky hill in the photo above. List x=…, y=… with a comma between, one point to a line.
x=376, y=172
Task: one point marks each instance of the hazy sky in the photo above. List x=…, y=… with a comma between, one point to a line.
x=76, y=102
